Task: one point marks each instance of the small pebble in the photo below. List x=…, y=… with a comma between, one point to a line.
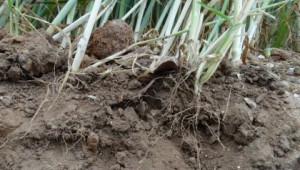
x=250, y=103
x=291, y=70
x=6, y=100
x=261, y=56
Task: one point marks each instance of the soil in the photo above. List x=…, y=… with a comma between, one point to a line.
x=28, y=56
x=114, y=36
x=247, y=117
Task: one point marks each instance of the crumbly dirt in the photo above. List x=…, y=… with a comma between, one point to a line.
x=28, y=56
x=245, y=118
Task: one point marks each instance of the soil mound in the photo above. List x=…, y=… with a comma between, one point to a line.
x=28, y=56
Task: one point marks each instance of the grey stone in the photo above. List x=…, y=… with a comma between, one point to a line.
x=250, y=103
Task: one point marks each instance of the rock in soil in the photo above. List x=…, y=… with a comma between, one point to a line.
x=114, y=36
x=250, y=103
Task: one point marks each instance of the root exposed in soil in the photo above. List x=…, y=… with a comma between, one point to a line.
x=248, y=119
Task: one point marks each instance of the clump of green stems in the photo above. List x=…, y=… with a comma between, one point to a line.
x=211, y=30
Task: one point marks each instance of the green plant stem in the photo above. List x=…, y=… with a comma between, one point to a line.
x=139, y=20
x=61, y=15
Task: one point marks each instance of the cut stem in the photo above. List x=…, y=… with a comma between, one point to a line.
x=83, y=42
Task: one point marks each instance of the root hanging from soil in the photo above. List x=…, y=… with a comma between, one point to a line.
x=185, y=122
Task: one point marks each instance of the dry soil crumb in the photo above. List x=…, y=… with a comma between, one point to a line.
x=114, y=36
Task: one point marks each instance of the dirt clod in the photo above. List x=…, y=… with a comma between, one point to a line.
x=120, y=125
x=114, y=36
x=92, y=141
x=28, y=56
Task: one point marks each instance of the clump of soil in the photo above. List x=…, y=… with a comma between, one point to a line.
x=245, y=118
x=114, y=36
x=28, y=56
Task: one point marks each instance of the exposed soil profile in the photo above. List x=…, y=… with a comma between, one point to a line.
x=246, y=118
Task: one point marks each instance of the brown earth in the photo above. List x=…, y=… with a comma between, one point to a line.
x=28, y=56
x=114, y=36
x=246, y=118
